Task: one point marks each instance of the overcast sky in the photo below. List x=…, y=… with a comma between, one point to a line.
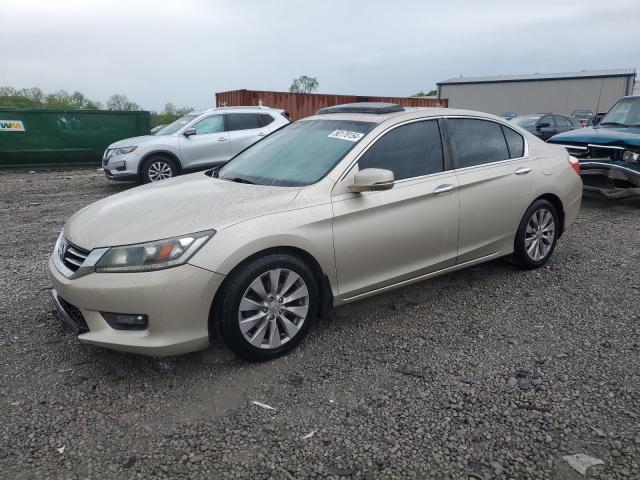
x=183, y=51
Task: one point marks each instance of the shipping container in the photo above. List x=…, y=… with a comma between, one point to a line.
x=35, y=137
x=300, y=105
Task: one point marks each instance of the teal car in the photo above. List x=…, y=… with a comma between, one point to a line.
x=609, y=153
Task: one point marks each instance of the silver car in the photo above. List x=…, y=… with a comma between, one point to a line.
x=354, y=201
x=194, y=142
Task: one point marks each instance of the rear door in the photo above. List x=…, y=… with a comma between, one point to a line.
x=244, y=130
x=209, y=146
x=495, y=174
x=386, y=237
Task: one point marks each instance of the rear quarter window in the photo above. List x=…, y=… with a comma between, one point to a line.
x=515, y=142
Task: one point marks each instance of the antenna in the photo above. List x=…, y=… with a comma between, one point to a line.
x=599, y=96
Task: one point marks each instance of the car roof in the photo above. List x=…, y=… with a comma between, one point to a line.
x=245, y=109
x=408, y=113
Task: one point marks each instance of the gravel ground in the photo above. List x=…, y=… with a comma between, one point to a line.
x=487, y=373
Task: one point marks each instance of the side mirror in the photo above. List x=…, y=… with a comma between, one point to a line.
x=371, y=180
x=189, y=131
x=543, y=125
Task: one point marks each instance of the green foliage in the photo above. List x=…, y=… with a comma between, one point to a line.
x=122, y=103
x=304, y=84
x=36, y=98
x=430, y=93
x=170, y=114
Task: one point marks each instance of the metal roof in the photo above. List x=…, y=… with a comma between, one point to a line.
x=620, y=72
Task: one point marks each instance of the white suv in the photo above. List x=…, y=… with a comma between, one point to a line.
x=196, y=141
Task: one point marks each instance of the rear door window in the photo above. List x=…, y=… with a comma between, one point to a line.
x=562, y=121
x=409, y=151
x=242, y=121
x=476, y=141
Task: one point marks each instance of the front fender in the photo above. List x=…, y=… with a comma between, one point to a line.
x=308, y=229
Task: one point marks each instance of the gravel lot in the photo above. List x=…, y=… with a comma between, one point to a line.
x=487, y=373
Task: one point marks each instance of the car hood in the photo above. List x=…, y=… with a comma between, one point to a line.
x=178, y=206
x=614, y=136
x=133, y=141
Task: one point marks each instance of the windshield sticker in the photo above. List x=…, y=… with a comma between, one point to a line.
x=346, y=135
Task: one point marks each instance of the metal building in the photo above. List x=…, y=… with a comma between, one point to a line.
x=560, y=93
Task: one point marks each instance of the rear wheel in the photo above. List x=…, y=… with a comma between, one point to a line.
x=537, y=235
x=158, y=168
x=267, y=306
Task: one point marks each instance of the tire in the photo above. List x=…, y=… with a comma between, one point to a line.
x=270, y=328
x=158, y=167
x=536, y=238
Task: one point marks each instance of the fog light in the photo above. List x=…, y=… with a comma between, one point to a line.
x=126, y=321
x=629, y=156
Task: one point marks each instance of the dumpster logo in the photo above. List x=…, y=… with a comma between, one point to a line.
x=11, y=126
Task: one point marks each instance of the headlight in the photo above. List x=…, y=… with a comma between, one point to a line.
x=122, y=151
x=153, y=255
x=629, y=156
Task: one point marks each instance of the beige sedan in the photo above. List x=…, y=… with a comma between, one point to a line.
x=354, y=201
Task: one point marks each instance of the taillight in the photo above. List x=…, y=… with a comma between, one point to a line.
x=575, y=164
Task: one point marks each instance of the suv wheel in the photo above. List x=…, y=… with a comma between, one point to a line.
x=537, y=235
x=267, y=306
x=158, y=168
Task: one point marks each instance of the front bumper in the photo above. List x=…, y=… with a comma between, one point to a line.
x=610, y=179
x=121, y=167
x=176, y=300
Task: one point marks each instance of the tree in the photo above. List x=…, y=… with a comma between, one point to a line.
x=430, y=93
x=121, y=102
x=170, y=113
x=304, y=84
x=36, y=98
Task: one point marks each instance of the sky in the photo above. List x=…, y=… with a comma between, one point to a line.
x=183, y=51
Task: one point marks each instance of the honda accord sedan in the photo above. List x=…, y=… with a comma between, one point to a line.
x=354, y=201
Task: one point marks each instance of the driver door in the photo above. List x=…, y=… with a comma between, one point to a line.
x=208, y=147
x=386, y=237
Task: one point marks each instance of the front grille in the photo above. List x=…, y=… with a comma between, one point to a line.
x=606, y=153
x=72, y=256
x=74, y=315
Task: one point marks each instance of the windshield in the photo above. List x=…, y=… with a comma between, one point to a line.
x=526, y=120
x=626, y=112
x=299, y=154
x=175, y=126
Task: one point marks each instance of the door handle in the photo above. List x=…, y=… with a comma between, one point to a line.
x=222, y=139
x=522, y=170
x=444, y=189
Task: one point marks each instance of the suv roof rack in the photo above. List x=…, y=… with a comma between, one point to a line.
x=378, y=108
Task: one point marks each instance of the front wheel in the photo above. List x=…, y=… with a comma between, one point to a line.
x=158, y=168
x=267, y=306
x=537, y=235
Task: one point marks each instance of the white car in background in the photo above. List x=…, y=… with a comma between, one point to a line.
x=197, y=141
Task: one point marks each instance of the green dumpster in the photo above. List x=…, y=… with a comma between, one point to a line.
x=36, y=137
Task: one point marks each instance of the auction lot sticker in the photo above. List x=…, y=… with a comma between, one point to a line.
x=346, y=135
x=11, y=126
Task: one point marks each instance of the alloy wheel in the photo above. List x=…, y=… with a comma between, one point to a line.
x=273, y=308
x=539, y=234
x=160, y=170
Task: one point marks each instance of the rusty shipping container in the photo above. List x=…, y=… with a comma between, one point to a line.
x=300, y=105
